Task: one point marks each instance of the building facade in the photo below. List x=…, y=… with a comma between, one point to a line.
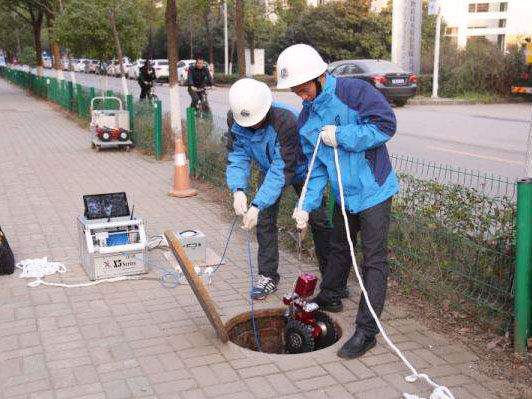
x=502, y=22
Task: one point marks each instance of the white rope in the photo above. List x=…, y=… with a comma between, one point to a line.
x=439, y=392
x=40, y=267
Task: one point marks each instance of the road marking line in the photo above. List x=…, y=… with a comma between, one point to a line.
x=470, y=154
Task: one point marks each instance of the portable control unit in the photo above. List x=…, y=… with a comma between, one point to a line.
x=112, y=240
x=194, y=243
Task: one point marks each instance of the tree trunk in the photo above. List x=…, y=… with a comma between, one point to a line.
x=17, y=39
x=56, y=52
x=173, y=54
x=37, y=28
x=209, y=37
x=112, y=19
x=241, y=55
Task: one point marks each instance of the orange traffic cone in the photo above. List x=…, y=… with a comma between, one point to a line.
x=181, y=178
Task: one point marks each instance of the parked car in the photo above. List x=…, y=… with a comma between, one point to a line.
x=64, y=63
x=393, y=82
x=127, y=66
x=93, y=66
x=47, y=62
x=133, y=72
x=182, y=70
x=79, y=65
x=161, y=69
x=113, y=69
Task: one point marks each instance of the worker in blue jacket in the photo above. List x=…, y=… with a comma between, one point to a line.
x=349, y=115
x=266, y=132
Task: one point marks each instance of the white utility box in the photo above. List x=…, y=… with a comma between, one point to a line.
x=195, y=244
x=111, y=246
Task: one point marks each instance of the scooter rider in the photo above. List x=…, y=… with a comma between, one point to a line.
x=146, y=78
x=198, y=78
x=266, y=132
x=353, y=117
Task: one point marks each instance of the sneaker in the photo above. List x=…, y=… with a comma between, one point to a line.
x=263, y=287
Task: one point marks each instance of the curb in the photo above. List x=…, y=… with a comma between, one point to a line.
x=453, y=101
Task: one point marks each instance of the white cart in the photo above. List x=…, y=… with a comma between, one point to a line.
x=110, y=128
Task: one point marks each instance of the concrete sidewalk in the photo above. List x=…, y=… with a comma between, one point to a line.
x=138, y=339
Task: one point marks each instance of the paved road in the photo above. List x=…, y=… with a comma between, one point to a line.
x=487, y=138
x=137, y=339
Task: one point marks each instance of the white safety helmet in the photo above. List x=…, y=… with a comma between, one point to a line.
x=298, y=64
x=250, y=101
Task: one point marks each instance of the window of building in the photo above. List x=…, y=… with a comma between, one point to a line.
x=452, y=31
x=503, y=7
x=502, y=23
x=472, y=7
x=483, y=7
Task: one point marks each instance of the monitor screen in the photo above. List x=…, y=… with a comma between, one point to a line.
x=100, y=206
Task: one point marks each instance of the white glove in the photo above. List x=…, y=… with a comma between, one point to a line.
x=250, y=218
x=301, y=218
x=328, y=135
x=240, y=203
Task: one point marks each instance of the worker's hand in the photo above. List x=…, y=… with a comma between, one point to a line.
x=328, y=135
x=250, y=218
x=301, y=218
x=240, y=203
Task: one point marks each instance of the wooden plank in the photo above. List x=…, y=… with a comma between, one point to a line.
x=197, y=286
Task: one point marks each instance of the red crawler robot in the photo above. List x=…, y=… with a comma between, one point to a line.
x=307, y=329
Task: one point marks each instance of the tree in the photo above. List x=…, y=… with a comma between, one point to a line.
x=32, y=13
x=104, y=29
x=342, y=31
x=13, y=36
x=173, y=52
x=239, y=22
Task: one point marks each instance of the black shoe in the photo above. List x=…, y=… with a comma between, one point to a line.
x=334, y=305
x=357, y=345
x=344, y=293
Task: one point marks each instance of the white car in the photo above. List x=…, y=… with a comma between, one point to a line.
x=79, y=65
x=161, y=69
x=182, y=70
x=113, y=68
x=64, y=63
x=133, y=72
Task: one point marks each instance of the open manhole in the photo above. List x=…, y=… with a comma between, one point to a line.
x=277, y=333
x=300, y=327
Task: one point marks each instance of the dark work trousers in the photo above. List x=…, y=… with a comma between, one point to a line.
x=373, y=224
x=144, y=90
x=267, y=237
x=194, y=96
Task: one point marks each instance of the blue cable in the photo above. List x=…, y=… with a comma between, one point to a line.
x=226, y=245
x=257, y=340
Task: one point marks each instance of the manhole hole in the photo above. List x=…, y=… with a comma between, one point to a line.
x=278, y=334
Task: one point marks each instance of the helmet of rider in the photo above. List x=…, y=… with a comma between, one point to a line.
x=298, y=64
x=250, y=101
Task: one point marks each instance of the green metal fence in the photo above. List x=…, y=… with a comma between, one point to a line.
x=452, y=232
x=145, y=118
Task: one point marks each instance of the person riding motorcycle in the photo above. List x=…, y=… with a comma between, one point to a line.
x=146, y=78
x=198, y=78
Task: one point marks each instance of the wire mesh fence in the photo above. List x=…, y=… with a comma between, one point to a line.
x=452, y=231
x=145, y=122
